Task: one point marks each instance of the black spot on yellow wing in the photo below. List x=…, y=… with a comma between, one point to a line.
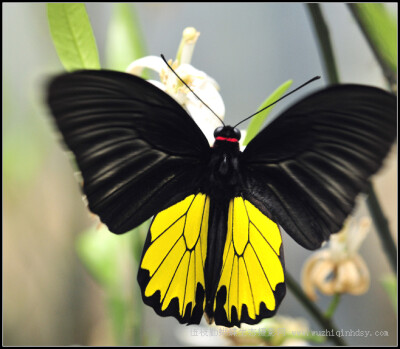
x=171, y=274
x=251, y=285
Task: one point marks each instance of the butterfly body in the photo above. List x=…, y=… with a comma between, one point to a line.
x=222, y=183
x=214, y=245
x=223, y=179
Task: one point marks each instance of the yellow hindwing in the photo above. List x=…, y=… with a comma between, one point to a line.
x=176, y=255
x=251, y=267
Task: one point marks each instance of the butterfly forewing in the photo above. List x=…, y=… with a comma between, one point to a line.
x=308, y=165
x=134, y=159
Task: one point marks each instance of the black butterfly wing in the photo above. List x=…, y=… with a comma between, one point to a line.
x=305, y=169
x=137, y=148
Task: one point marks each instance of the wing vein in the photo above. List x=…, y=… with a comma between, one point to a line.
x=251, y=288
x=259, y=262
x=172, y=279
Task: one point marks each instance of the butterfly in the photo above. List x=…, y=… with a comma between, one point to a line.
x=214, y=246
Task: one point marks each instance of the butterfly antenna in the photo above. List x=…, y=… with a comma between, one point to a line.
x=298, y=88
x=165, y=61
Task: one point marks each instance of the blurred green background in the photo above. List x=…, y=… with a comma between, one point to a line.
x=49, y=296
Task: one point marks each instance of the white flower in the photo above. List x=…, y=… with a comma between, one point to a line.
x=276, y=331
x=339, y=268
x=287, y=331
x=243, y=134
x=203, y=85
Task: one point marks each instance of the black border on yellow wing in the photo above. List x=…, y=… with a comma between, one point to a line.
x=250, y=257
x=220, y=314
x=192, y=313
x=173, y=308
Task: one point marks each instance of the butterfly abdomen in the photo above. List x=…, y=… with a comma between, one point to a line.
x=217, y=229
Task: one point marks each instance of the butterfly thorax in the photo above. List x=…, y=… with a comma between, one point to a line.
x=224, y=163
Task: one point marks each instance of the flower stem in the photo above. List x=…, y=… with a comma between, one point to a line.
x=360, y=18
x=322, y=319
x=374, y=207
x=324, y=40
x=382, y=228
x=332, y=307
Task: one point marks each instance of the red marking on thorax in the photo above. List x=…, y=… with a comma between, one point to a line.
x=226, y=139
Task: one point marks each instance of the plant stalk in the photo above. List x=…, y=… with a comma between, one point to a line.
x=321, y=29
x=389, y=74
x=324, y=321
x=382, y=227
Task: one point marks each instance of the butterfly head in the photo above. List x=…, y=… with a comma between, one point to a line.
x=227, y=134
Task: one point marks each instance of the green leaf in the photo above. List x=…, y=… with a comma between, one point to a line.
x=257, y=121
x=140, y=234
x=389, y=283
x=380, y=28
x=333, y=306
x=118, y=310
x=113, y=260
x=124, y=40
x=73, y=36
x=26, y=142
x=105, y=255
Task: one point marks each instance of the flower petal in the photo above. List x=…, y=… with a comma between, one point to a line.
x=151, y=62
x=321, y=278
x=353, y=276
x=242, y=138
x=364, y=283
x=358, y=234
x=206, y=120
x=308, y=275
x=210, y=95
